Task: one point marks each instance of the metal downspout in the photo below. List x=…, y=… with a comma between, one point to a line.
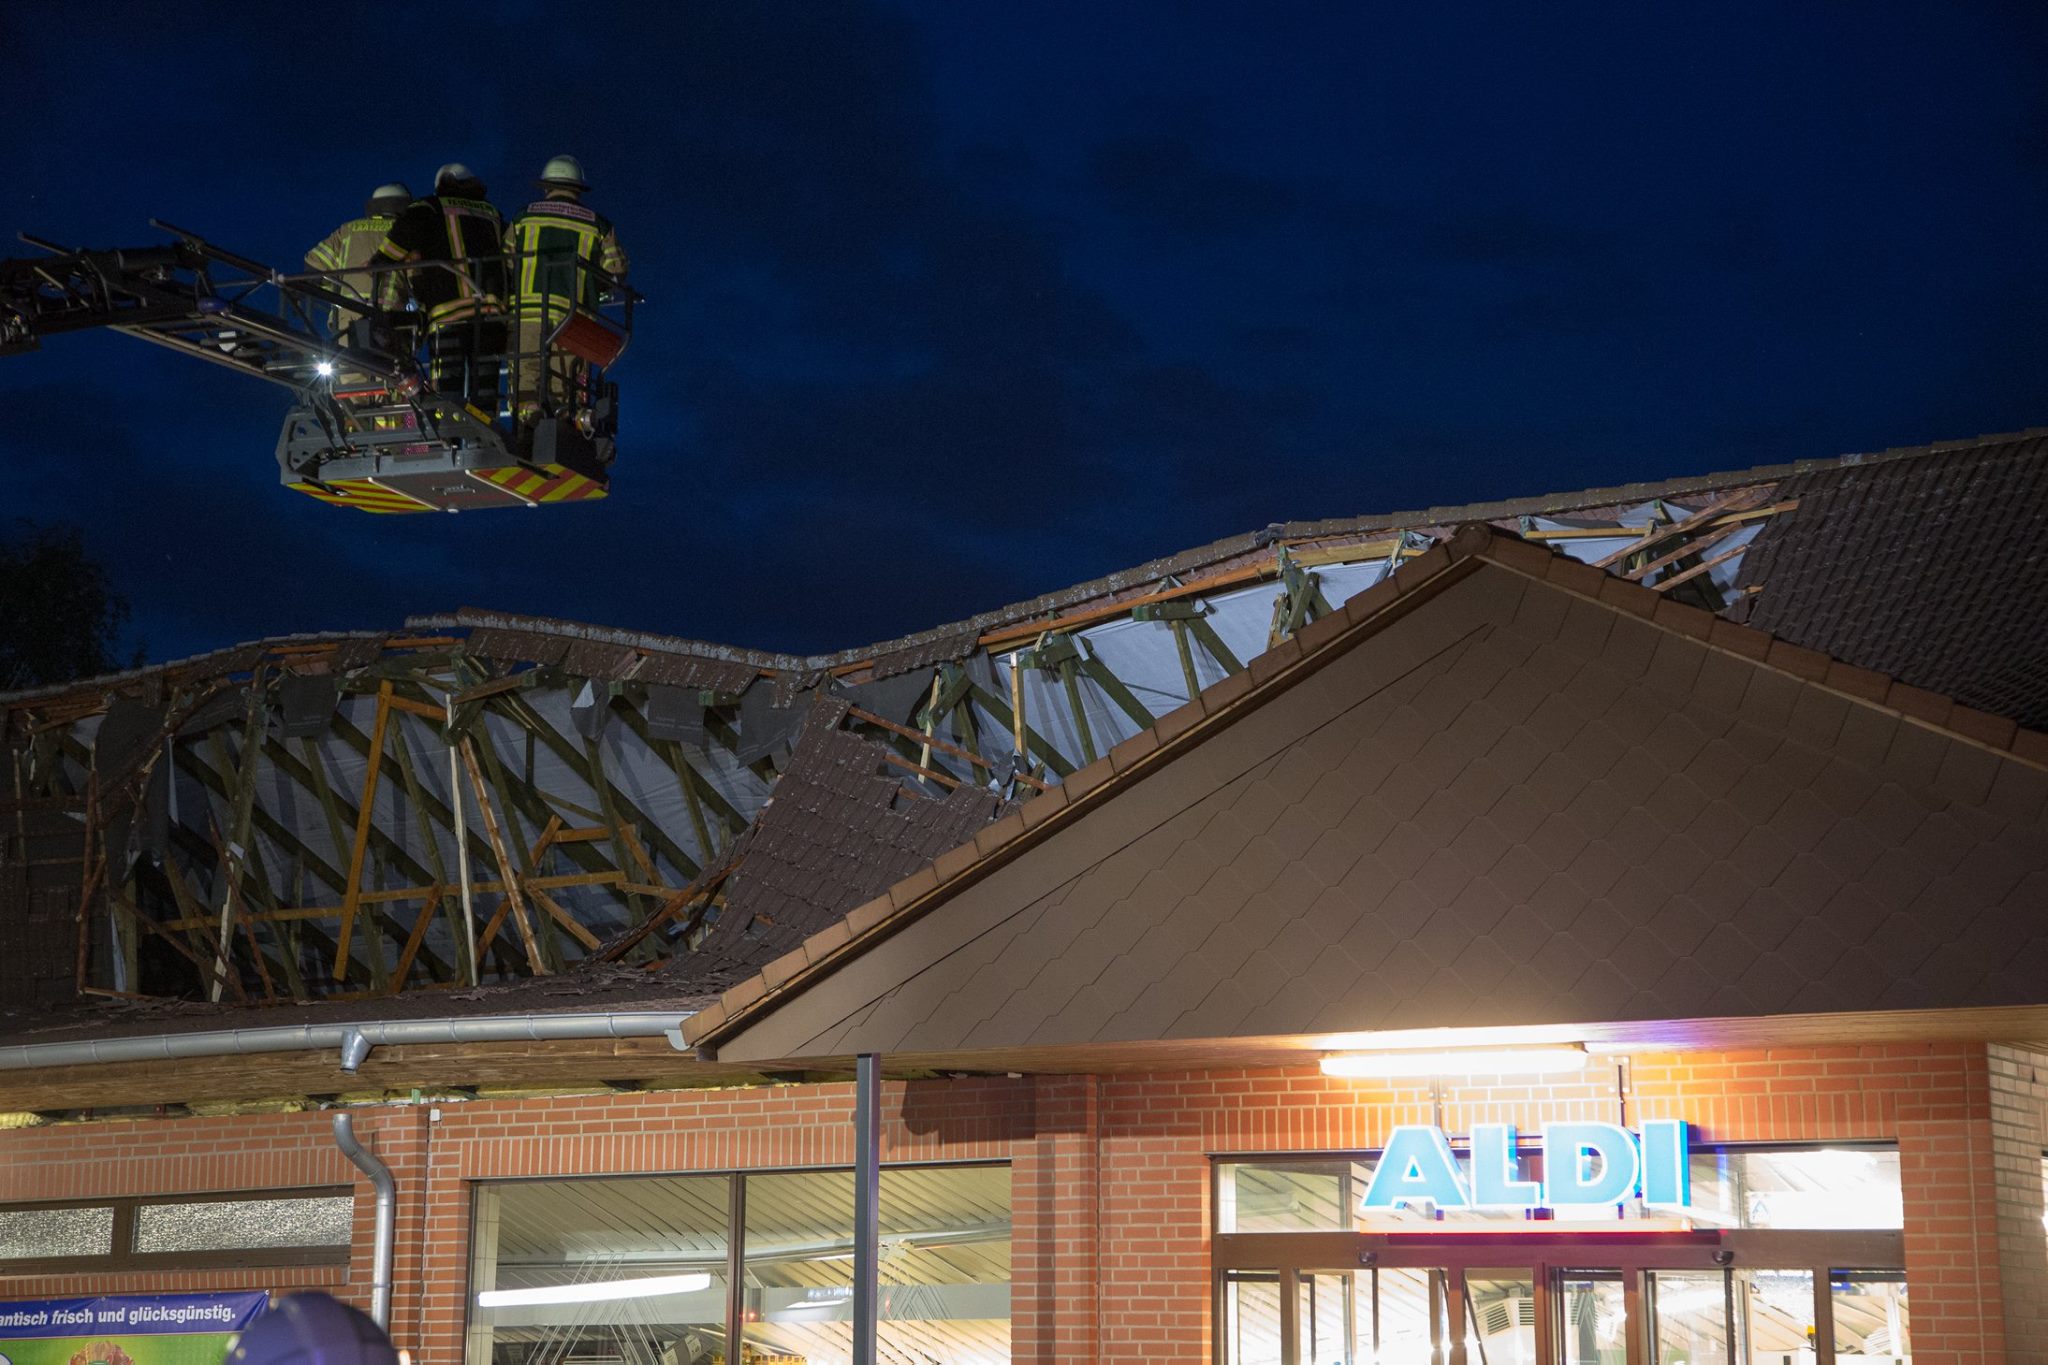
x=387, y=1215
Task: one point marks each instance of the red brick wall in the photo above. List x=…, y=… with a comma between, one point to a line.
x=2018, y=1079
x=1110, y=1175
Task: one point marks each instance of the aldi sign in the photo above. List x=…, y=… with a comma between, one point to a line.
x=1584, y=1164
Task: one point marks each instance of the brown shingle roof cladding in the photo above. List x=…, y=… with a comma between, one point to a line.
x=1523, y=802
x=1934, y=571
x=838, y=830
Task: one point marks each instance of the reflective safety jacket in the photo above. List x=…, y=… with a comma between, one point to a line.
x=550, y=242
x=352, y=244
x=467, y=233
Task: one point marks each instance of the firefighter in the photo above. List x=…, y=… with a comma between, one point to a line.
x=553, y=243
x=454, y=239
x=352, y=245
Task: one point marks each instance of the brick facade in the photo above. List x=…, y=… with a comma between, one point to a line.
x=1110, y=1174
x=2019, y=1139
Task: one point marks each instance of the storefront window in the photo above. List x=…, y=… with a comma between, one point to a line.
x=625, y=1270
x=1692, y=1310
x=1251, y=1318
x=169, y=1232
x=1774, y=1313
x=1815, y=1187
x=1500, y=1316
x=317, y=1221
x=1594, y=1311
x=638, y=1270
x=945, y=1266
x=1289, y=1196
x=1870, y=1317
x=38, y=1233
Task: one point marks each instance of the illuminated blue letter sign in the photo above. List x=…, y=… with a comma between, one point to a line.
x=1583, y=1164
x=1589, y=1163
x=1494, y=1185
x=1667, y=1173
x=1417, y=1166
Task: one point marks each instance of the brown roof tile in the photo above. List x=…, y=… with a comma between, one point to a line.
x=1919, y=569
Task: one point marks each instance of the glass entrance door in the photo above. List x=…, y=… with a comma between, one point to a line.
x=1592, y=1317
x=1366, y=1317
x=1569, y=1304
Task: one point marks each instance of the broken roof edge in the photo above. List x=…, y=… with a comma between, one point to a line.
x=1408, y=587
x=222, y=658
x=1138, y=576
x=1216, y=552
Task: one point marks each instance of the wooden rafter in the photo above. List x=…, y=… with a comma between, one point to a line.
x=365, y=810
x=507, y=870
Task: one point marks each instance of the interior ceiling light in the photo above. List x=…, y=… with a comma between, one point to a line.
x=593, y=1291
x=1499, y=1061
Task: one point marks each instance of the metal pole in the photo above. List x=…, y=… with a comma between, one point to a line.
x=867, y=1205
x=461, y=846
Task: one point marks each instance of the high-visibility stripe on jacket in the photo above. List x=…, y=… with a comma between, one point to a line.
x=352, y=244
x=550, y=243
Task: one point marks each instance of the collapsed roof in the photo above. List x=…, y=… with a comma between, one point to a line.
x=633, y=817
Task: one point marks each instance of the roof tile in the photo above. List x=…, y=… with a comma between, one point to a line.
x=1629, y=597
x=1683, y=617
x=1919, y=703
x=1750, y=644
x=1524, y=556
x=1573, y=576
x=1798, y=660
x=1982, y=726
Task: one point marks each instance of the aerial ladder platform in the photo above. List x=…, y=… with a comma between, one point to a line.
x=365, y=430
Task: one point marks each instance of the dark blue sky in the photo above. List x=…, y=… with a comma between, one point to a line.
x=953, y=304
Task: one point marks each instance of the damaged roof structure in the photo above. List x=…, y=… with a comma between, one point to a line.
x=482, y=811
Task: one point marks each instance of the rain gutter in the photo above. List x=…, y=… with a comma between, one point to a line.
x=352, y=1041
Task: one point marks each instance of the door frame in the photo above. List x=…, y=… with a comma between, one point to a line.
x=1545, y=1252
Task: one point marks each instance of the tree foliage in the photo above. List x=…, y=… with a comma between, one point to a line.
x=60, y=615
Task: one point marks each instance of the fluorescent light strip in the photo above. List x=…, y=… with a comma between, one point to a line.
x=593, y=1291
x=1523, y=1061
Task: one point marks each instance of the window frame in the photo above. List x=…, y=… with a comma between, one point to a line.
x=124, y=1258
x=736, y=1212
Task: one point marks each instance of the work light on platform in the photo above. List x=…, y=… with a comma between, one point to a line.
x=1504, y=1061
x=593, y=1291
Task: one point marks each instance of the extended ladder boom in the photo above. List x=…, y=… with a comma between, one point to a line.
x=190, y=296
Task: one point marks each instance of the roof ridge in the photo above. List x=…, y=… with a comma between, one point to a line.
x=1146, y=573
x=1160, y=566
x=1279, y=668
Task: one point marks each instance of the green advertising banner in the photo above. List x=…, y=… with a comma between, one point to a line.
x=129, y=1329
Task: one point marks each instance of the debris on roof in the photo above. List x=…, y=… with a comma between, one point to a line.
x=279, y=821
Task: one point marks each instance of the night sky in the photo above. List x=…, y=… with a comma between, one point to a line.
x=953, y=304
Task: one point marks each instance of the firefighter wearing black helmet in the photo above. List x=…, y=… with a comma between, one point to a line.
x=455, y=240
x=554, y=244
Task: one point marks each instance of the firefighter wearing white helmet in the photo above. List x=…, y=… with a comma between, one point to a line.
x=557, y=244
x=352, y=246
